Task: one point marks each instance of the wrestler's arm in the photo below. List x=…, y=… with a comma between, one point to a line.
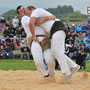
x=32, y=27
x=41, y=20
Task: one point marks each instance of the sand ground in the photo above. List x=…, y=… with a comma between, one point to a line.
x=32, y=80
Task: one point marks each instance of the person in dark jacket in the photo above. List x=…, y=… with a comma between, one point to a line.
x=8, y=52
x=81, y=59
x=6, y=32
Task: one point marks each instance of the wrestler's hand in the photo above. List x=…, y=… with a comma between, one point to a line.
x=34, y=38
x=51, y=17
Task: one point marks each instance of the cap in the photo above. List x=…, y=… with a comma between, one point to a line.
x=23, y=41
x=2, y=18
x=73, y=24
x=82, y=50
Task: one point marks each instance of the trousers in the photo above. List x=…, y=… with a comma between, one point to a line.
x=58, y=51
x=38, y=56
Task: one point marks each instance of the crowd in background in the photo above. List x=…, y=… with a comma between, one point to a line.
x=77, y=41
x=78, y=38
x=12, y=34
x=12, y=27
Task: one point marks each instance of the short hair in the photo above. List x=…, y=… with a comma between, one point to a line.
x=30, y=7
x=18, y=8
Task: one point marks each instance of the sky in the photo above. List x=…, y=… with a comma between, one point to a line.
x=80, y=5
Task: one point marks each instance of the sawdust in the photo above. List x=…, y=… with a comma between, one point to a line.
x=32, y=80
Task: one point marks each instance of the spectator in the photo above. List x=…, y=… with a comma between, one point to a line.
x=68, y=27
x=76, y=44
x=8, y=40
x=22, y=45
x=81, y=36
x=72, y=40
x=85, y=40
x=71, y=51
x=79, y=28
x=88, y=23
x=2, y=23
x=80, y=59
x=15, y=22
x=84, y=28
x=8, y=24
x=3, y=40
x=73, y=27
x=67, y=49
x=77, y=39
x=19, y=34
x=68, y=37
x=74, y=34
x=2, y=27
x=88, y=43
x=0, y=42
x=87, y=52
x=3, y=43
x=12, y=32
x=2, y=52
x=8, y=52
x=25, y=52
x=23, y=33
x=6, y=32
x=88, y=28
x=3, y=20
x=88, y=34
x=16, y=42
x=12, y=46
x=79, y=48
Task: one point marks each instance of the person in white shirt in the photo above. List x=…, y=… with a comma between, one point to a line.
x=15, y=22
x=57, y=31
x=36, y=48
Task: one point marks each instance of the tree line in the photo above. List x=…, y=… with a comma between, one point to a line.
x=58, y=10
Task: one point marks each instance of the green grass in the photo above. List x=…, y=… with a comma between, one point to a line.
x=18, y=64
x=14, y=64
x=88, y=66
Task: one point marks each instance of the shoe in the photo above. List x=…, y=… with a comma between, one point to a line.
x=46, y=76
x=67, y=78
x=75, y=69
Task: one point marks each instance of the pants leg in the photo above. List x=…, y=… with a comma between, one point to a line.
x=22, y=55
x=37, y=54
x=28, y=55
x=84, y=64
x=10, y=55
x=58, y=49
x=4, y=56
x=50, y=62
x=71, y=55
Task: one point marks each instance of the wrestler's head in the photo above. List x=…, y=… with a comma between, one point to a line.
x=29, y=10
x=21, y=10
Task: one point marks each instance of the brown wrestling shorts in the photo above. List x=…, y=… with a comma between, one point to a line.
x=45, y=43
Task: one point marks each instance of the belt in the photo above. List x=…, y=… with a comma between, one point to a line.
x=41, y=35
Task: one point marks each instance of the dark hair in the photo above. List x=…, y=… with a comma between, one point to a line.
x=30, y=7
x=18, y=8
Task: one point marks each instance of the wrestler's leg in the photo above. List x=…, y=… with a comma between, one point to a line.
x=37, y=54
x=50, y=62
